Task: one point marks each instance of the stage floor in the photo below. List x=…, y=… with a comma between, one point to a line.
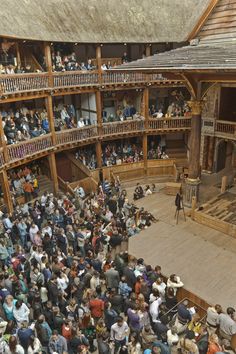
x=203, y=257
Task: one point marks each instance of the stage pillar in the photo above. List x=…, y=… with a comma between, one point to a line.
x=193, y=180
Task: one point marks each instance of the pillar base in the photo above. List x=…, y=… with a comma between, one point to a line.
x=191, y=190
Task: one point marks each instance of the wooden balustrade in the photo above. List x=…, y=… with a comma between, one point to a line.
x=41, y=81
x=28, y=148
x=169, y=123
x=225, y=127
x=75, y=78
x=75, y=135
x=121, y=77
x=122, y=127
x=23, y=82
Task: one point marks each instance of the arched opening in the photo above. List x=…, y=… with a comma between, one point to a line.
x=225, y=155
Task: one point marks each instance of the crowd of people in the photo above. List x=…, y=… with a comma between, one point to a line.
x=175, y=105
x=157, y=149
x=118, y=152
x=23, y=124
x=23, y=181
x=122, y=114
x=65, y=287
x=87, y=156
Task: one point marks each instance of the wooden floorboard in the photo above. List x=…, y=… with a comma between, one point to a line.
x=204, y=258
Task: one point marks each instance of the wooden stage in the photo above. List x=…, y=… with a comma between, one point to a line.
x=203, y=257
x=219, y=213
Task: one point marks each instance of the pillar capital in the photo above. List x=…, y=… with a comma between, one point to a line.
x=196, y=107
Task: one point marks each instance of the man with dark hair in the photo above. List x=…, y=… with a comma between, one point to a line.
x=57, y=343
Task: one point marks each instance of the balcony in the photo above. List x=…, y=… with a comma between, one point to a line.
x=219, y=128
x=16, y=153
x=22, y=83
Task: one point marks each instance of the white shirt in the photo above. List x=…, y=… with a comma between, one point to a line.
x=21, y=314
x=154, y=309
x=33, y=231
x=119, y=333
x=80, y=124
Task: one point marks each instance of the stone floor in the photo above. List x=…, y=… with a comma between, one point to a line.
x=204, y=258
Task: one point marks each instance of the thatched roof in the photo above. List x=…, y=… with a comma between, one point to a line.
x=201, y=57
x=100, y=21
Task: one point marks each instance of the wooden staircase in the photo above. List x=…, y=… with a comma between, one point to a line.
x=27, y=58
x=45, y=184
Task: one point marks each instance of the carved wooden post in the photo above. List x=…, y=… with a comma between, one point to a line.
x=48, y=60
x=194, y=204
x=99, y=62
x=3, y=142
x=211, y=149
x=6, y=191
x=193, y=180
x=53, y=171
x=145, y=112
x=99, y=127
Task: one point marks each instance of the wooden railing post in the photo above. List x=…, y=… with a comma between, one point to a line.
x=49, y=108
x=48, y=60
x=53, y=171
x=6, y=191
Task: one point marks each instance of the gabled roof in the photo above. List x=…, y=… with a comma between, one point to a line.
x=201, y=57
x=221, y=22
x=100, y=21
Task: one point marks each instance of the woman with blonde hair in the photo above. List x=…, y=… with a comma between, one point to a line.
x=8, y=307
x=214, y=345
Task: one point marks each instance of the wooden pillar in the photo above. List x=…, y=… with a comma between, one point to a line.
x=6, y=191
x=99, y=110
x=53, y=171
x=49, y=108
x=99, y=154
x=145, y=106
x=99, y=61
x=195, y=140
x=211, y=150
x=18, y=59
x=224, y=184
x=145, y=152
x=148, y=51
x=48, y=60
x=3, y=143
x=193, y=180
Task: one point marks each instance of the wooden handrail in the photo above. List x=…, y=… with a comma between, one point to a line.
x=122, y=127
x=169, y=123
x=225, y=127
x=29, y=147
x=86, y=134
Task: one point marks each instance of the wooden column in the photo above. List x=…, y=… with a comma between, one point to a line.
x=193, y=180
x=99, y=110
x=145, y=106
x=53, y=171
x=99, y=154
x=195, y=140
x=6, y=191
x=145, y=152
x=49, y=108
x=48, y=60
x=99, y=61
x=18, y=59
x=148, y=51
x=3, y=143
x=211, y=150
